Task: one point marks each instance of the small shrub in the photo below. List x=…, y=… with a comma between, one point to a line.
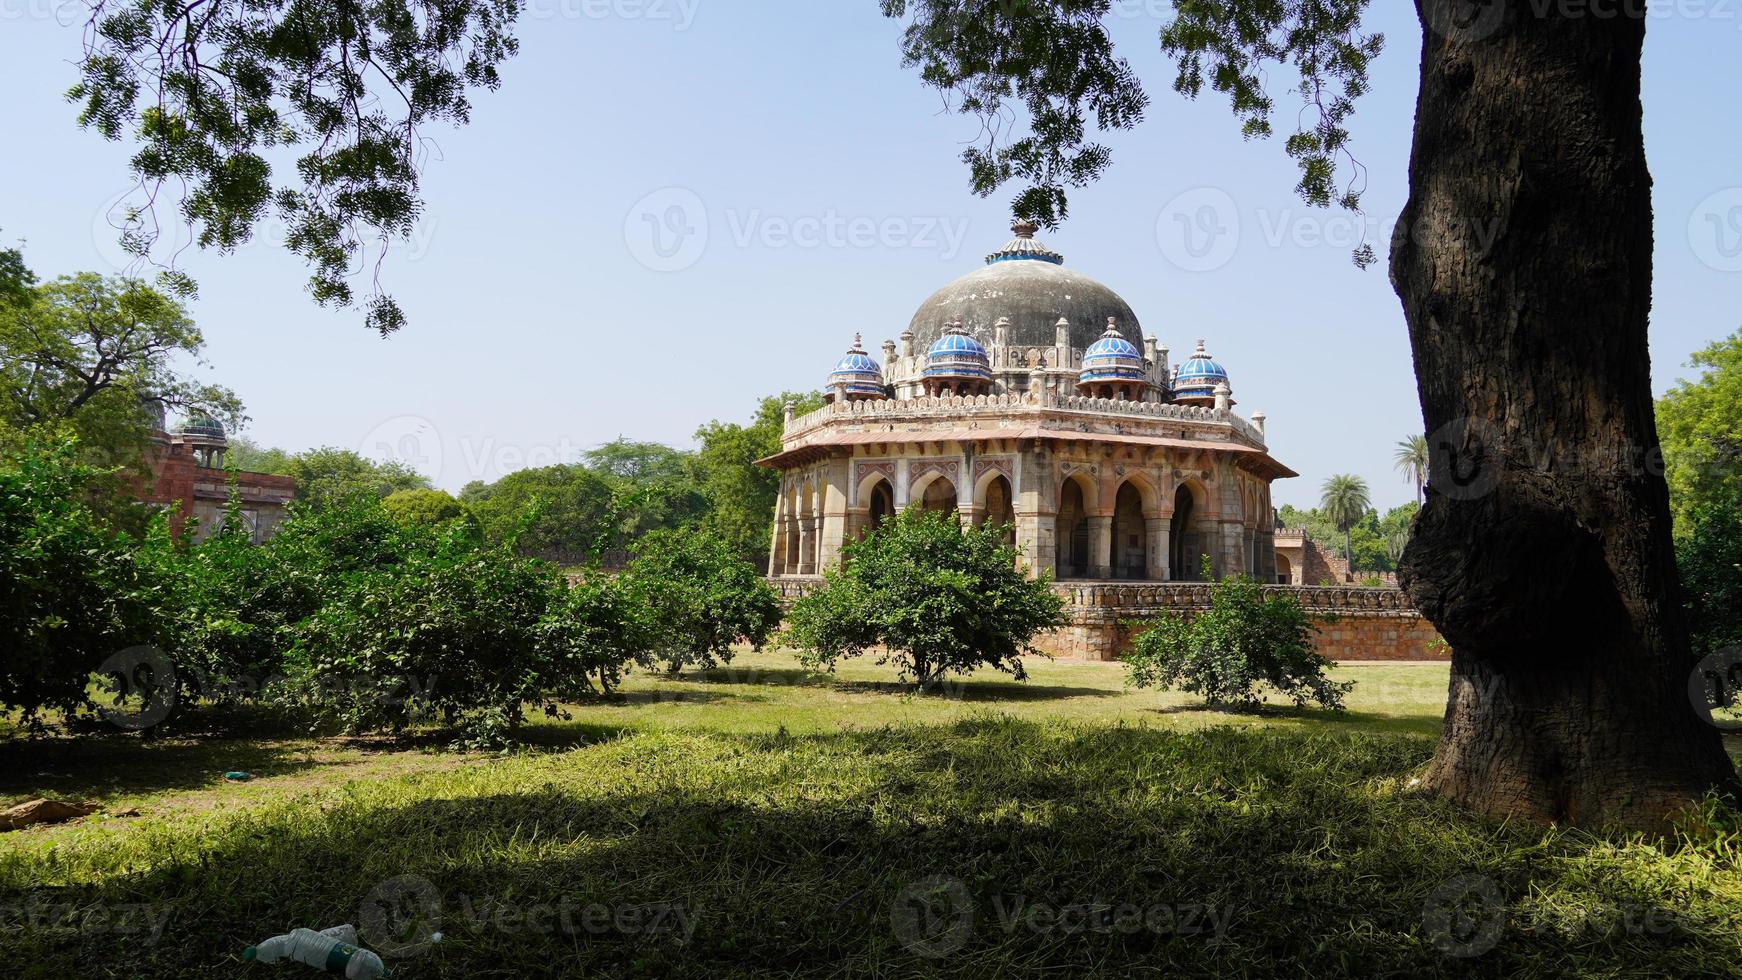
x=591, y=635
x=705, y=597
x=455, y=630
x=423, y=507
x=1243, y=640
x=939, y=597
x=71, y=593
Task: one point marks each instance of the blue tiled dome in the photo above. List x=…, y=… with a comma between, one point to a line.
x=1112, y=358
x=957, y=355
x=1198, y=376
x=862, y=375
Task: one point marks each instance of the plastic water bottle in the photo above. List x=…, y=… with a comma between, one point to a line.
x=333, y=950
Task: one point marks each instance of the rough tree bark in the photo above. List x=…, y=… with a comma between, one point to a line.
x=1543, y=554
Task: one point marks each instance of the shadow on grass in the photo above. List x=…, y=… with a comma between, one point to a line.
x=973, y=849
x=987, y=688
x=99, y=767
x=1372, y=721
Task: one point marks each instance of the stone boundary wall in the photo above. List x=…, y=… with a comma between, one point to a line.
x=1354, y=623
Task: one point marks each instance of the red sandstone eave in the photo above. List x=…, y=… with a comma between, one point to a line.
x=1250, y=457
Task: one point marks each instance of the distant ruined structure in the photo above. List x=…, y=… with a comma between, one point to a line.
x=188, y=480
x=1019, y=396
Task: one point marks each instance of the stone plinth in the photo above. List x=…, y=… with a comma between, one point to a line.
x=1354, y=623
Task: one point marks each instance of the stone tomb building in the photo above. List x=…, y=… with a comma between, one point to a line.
x=1019, y=395
x=188, y=480
x=1026, y=394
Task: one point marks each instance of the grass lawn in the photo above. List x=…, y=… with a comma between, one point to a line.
x=762, y=820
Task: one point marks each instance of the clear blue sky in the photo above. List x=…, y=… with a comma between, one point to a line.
x=538, y=328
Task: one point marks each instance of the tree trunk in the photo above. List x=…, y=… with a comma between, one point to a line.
x=1542, y=552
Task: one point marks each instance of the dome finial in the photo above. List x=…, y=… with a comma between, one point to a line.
x=858, y=340
x=1023, y=228
x=1112, y=328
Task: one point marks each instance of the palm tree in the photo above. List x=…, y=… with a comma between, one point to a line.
x=1411, y=460
x=1344, y=500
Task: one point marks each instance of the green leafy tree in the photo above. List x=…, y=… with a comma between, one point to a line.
x=423, y=507
x=1344, y=501
x=250, y=457
x=1700, y=424
x=214, y=95
x=1228, y=654
x=1709, y=556
x=1411, y=460
x=328, y=475
x=106, y=355
x=638, y=462
x=561, y=513
x=655, y=486
x=453, y=630
x=707, y=596
x=741, y=494
x=936, y=597
x=601, y=625
x=69, y=589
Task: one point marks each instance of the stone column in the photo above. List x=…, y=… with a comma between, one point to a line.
x=1233, y=555
x=901, y=482
x=792, y=539
x=1101, y=547
x=777, y=534
x=1155, y=539
x=832, y=532
x=1034, y=538
x=807, y=545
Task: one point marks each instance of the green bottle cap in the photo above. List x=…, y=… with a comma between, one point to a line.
x=248, y=953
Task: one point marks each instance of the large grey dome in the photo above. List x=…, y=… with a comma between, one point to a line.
x=1027, y=282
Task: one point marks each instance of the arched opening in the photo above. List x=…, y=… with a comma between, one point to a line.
x=881, y=503
x=1184, y=545
x=1073, y=532
x=1130, y=542
x=1284, y=570
x=939, y=496
x=999, y=508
